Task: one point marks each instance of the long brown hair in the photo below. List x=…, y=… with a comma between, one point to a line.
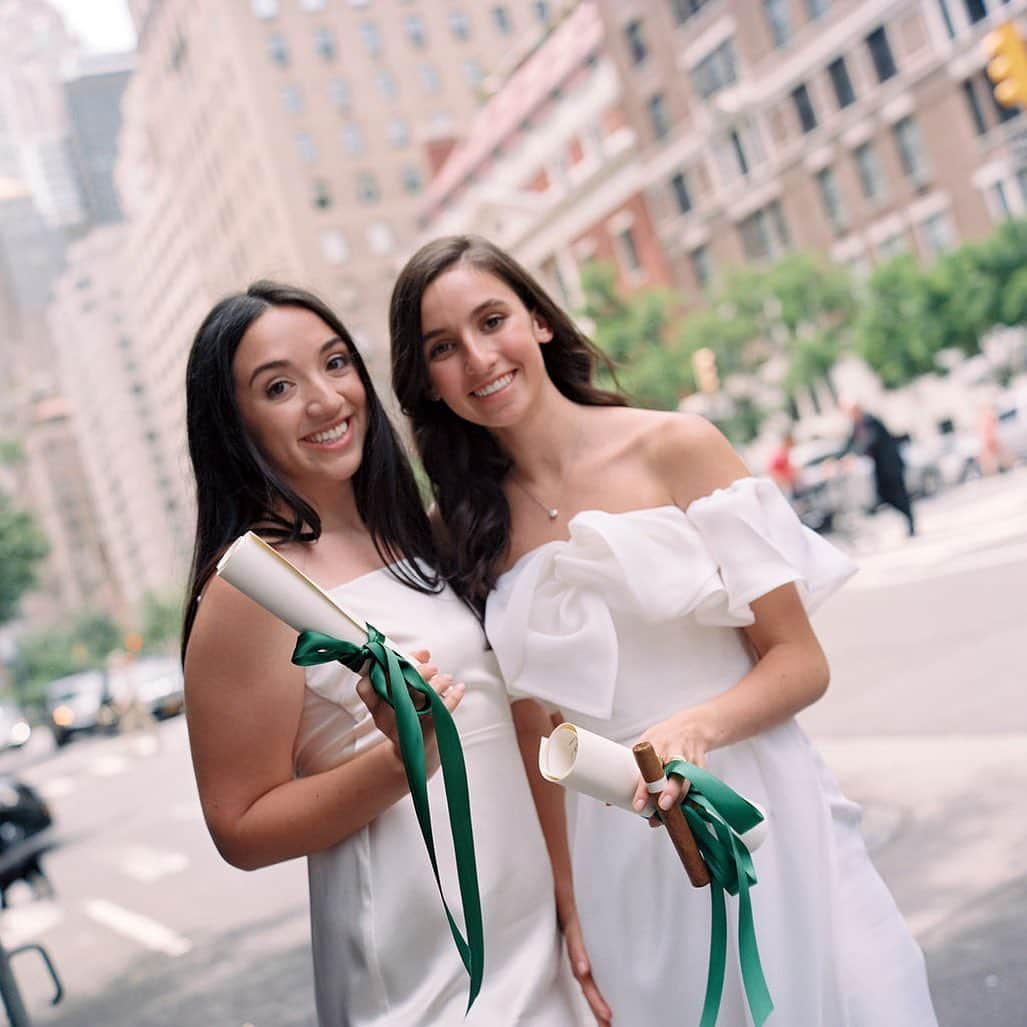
x=237, y=488
x=464, y=462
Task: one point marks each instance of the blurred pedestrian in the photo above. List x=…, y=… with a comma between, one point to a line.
x=872, y=439
x=780, y=467
x=288, y=438
x=993, y=456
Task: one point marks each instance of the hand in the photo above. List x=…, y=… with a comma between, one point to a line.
x=683, y=735
x=581, y=966
x=384, y=716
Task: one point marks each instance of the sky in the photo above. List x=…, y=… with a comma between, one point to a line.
x=103, y=25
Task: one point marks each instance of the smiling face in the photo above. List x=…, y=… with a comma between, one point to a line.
x=481, y=347
x=301, y=398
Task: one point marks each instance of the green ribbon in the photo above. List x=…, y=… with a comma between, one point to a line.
x=717, y=815
x=393, y=677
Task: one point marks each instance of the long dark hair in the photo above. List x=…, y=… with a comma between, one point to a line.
x=464, y=462
x=237, y=488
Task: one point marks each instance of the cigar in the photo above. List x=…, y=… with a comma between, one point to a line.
x=674, y=818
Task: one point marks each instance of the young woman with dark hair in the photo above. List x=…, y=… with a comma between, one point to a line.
x=288, y=438
x=635, y=577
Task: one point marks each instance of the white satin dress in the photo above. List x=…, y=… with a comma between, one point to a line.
x=383, y=953
x=632, y=619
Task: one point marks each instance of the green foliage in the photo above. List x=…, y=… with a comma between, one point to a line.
x=22, y=547
x=161, y=618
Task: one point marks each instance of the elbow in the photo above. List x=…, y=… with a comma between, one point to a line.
x=235, y=849
x=820, y=675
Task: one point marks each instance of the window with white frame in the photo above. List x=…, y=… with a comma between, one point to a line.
x=804, y=108
x=399, y=132
x=413, y=179
x=353, y=139
x=473, y=72
x=278, y=49
x=459, y=25
x=764, y=233
x=702, y=265
x=501, y=19
x=380, y=238
x=634, y=35
x=871, y=177
x=881, y=54
x=831, y=199
x=893, y=245
x=414, y=26
x=999, y=200
x=838, y=72
x=385, y=83
x=780, y=25
x=659, y=118
x=264, y=8
x=681, y=193
x=429, y=76
x=367, y=187
x=324, y=43
x=937, y=233
x=911, y=151
x=371, y=38
x=338, y=92
x=716, y=71
x=292, y=99
x=306, y=147
x=627, y=250
x=334, y=247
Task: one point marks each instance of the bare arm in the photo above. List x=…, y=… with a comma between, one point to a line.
x=531, y=723
x=243, y=700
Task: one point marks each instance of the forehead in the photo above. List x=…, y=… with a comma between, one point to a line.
x=459, y=291
x=281, y=333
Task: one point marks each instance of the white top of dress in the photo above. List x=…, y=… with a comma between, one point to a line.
x=577, y=602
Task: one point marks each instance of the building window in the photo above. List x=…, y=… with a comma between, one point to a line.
x=804, y=108
x=321, y=194
x=893, y=245
x=937, y=233
x=682, y=197
x=473, y=72
x=946, y=17
x=338, y=92
x=817, y=8
x=542, y=11
x=776, y=12
x=413, y=180
x=843, y=91
x=353, y=139
x=501, y=17
x=628, y=251
x=333, y=246
x=871, y=178
x=324, y=43
x=682, y=10
x=312, y=5
x=278, y=49
x=738, y=149
x=973, y=104
x=292, y=99
x=764, y=233
x=305, y=147
x=429, y=77
x=658, y=116
x=880, y=54
x=976, y=10
x=371, y=38
x=911, y=151
x=399, y=133
x=830, y=199
x=1021, y=181
x=367, y=188
x=386, y=84
x=715, y=71
x=1000, y=200
x=459, y=25
x=702, y=266
x=265, y=8
x=636, y=41
x=415, y=30
x=380, y=238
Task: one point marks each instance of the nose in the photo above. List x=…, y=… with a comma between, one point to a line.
x=321, y=397
x=478, y=354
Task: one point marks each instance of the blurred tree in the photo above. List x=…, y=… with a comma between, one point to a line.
x=161, y=618
x=634, y=332
x=22, y=547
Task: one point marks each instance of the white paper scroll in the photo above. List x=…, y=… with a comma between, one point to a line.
x=592, y=765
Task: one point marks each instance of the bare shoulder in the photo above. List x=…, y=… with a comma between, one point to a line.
x=690, y=456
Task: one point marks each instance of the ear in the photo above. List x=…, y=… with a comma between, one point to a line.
x=543, y=333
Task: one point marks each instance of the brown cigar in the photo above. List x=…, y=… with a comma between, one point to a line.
x=674, y=818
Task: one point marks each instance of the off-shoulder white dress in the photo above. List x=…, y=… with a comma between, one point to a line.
x=632, y=619
x=383, y=954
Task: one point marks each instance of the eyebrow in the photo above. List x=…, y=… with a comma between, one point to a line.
x=273, y=365
x=474, y=313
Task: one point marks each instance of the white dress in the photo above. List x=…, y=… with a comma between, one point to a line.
x=383, y=953
x=632, y=619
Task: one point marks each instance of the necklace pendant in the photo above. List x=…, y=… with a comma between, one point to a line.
x=553, y=513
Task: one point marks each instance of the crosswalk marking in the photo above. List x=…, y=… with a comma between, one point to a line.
x=148, y=933
x=146, y=864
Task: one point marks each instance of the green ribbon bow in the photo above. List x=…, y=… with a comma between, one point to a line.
x=392, y=677
x=717, y=815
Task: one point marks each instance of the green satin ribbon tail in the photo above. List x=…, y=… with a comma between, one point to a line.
x=393, y=678
x=717, y=815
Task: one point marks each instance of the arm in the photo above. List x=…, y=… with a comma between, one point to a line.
x=243, y=700
x=791, y=671
x=531, y=723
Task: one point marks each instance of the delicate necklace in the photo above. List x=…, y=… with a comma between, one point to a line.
x=552, y=512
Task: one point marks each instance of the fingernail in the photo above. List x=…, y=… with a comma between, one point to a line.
x=666, y=802
x=638, y=804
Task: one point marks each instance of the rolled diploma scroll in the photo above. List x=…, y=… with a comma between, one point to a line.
x=604, y=770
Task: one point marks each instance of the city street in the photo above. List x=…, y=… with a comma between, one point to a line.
x=925, y=723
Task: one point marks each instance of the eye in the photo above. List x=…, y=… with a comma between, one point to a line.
x=493, y=321
x=276, y=389
x=339, y=362
x=439, y=349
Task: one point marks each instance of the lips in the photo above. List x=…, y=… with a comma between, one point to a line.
x=329, y=434
x=494, y=386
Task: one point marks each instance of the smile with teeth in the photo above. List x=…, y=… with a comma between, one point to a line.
x=330, y=435
x=494, y=386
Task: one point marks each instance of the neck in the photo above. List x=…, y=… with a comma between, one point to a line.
x=336, y=505
x=546, y=444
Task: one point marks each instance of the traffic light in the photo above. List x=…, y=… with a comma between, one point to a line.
x=1008, y=65
x=704, y=363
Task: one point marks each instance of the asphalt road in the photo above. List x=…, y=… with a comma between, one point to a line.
x=925, y=723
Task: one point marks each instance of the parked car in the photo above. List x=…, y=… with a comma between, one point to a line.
x=80, y=703
x=26, y=832
x=15, y=729
x=154, y=681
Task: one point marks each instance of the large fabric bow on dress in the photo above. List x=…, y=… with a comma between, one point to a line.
x=393, y=677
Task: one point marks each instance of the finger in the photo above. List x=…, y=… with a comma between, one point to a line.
x=671, y=794
x=453, y=695
x=600, y=1010
x=427, y=670
x=421, y=655
x=642, y=796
